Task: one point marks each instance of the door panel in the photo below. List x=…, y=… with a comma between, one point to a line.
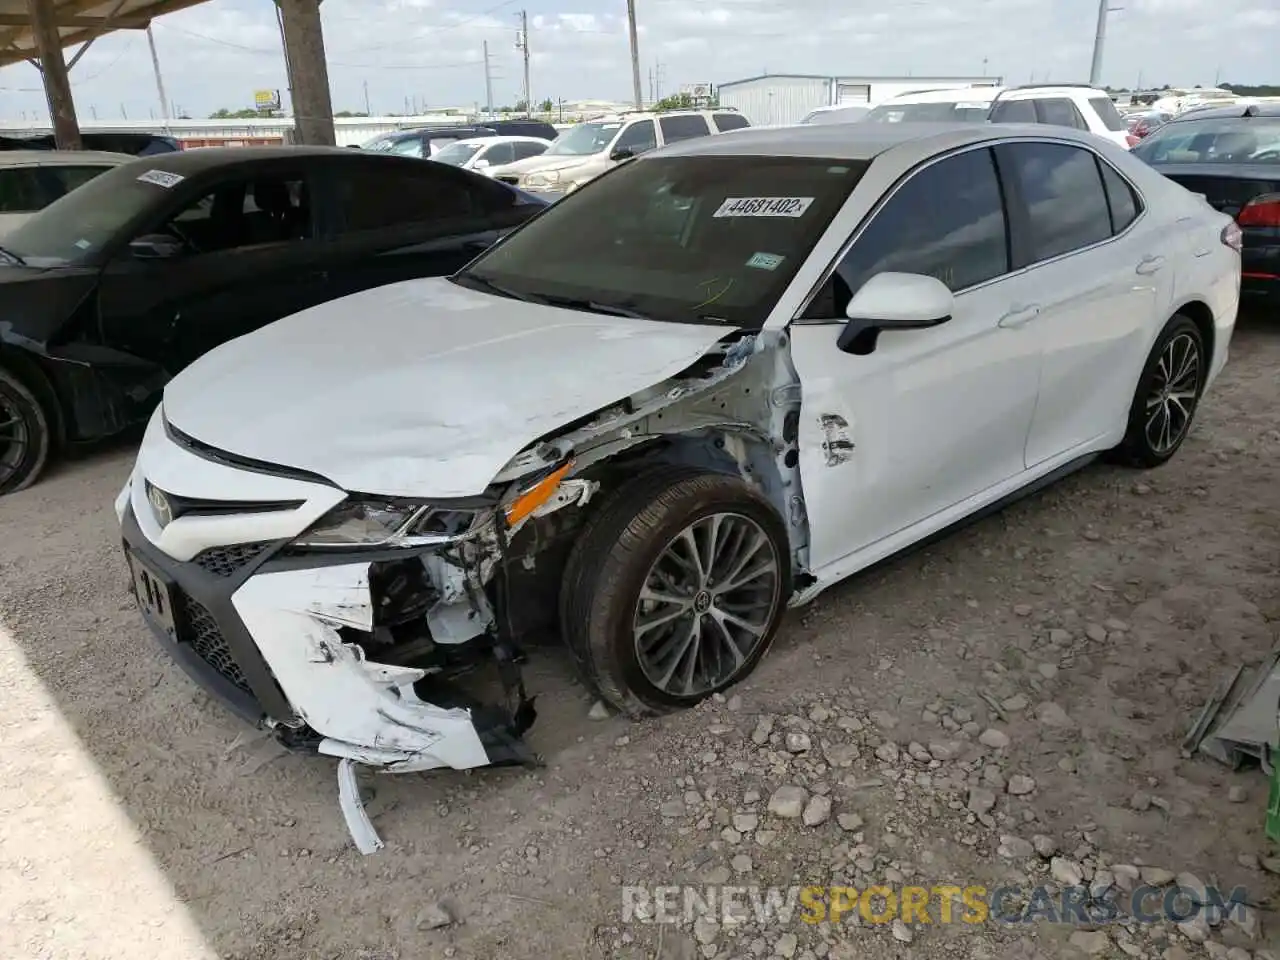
x=930, y=417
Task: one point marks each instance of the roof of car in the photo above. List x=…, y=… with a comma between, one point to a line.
x=1235, y=110
x=986, y=94
x=501, y=138
x=857, y=141
x=57, y=158
x=190, y=162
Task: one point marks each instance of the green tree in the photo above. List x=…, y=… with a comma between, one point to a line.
x=243, y=114
x=677, y=101
x=547, y=105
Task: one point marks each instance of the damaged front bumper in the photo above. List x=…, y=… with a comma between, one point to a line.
x=285, y=640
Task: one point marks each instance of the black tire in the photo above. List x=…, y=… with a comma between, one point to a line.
x=613, y=558
x=1138, y=448
x=25, y=435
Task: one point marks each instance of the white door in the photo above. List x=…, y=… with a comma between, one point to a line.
x=1099, y=273
x=848, y=94
x=930, y=417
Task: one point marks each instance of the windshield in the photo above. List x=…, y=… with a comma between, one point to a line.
x=584, y=139
x=967, y=111
x=380, y=143
x=1224, y=140
x=841, y=115
x=77, y=226
x=456, y=154
x=687, y=239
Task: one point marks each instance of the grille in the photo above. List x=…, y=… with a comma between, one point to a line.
x=225, y=561
x=206, y=639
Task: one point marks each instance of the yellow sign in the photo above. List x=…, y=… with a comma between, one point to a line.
x=266, y=99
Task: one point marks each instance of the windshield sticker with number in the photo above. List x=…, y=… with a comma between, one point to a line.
x=161, y=178
x=763, y=207
x=765, y=261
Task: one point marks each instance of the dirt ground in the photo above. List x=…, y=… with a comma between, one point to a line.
x=1013, y=693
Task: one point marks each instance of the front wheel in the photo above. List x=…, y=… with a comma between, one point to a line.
x=675, y=589
x=1168, y=392
x=25, y=437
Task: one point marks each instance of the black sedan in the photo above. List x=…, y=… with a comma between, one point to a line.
x=111, y=290
x=1231, y=155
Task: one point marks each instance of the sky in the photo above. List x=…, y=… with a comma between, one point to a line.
x=431, y=51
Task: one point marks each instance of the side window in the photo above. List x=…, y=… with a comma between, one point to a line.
x=684, y=127
x=637, y=138
x=244, y=213
x=730, y=121
x=946, y=221
x=498, y=153
x=1121, y=198
x=409, y=147
x=20, y=191
x=1066, y=202
x=375, y=199
x=1014, y=111
x=67, y=178
x=1060, y=112
x=1107, y=113
x=529, y=150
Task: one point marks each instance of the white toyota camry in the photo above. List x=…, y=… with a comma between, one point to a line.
x=710, y=384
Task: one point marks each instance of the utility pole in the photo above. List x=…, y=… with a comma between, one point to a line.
x=635, y=55
x=43, y=17
x=155, y=66
x=1099, y=40
x=488, y=84
x=367, y=109
x=522, y=44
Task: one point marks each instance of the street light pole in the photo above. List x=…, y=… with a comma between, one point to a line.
x=635, y=55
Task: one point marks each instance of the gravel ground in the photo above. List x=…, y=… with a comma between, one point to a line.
x=1003, y=707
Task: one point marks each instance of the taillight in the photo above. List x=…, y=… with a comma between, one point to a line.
x=1131, y=139
x=1263, y=211
x=1233, y=237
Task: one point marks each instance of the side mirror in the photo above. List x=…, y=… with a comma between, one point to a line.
x=480, y=164
x=157, y=246
x=622, y=153
x=893, y=301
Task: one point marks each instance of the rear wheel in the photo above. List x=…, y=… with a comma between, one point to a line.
x=25, y=437
x=1168, y=392
x=675, y=589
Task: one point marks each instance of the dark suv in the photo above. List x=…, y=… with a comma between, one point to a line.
x=424, y=141
x=108, y=141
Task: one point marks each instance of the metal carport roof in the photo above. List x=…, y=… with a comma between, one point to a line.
x=78, y=21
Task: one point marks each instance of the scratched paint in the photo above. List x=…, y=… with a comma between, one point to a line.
x=836, y=445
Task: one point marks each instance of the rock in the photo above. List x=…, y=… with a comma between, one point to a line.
x=887, y=752
x=434, y=916
x=1014, y=704
x=1245, y=919
x=901, y=932
x=961, y=714
x=1126, y=876
x=1156, y=876
x=817, y=811
x=734, y=704
x=1045, y=846
x=788, y=802
x=1022, y=610
x=993, y=738
x=730, y=836
x=745, y=822
x=1066, y=872
x=1271, y=864
x=1096, y=632
x=1238, y=794
x=1020, y=786
x=1239, y=953
x=840, y=754
x=1052, y=715
x=705, y=930
x=1140, y=801
x=798, y=742
x=1015, y=848
x=1067, y=764
x=981, y=800
x=786, y=946
x=1048, y=670
x=763, y=728
x=718, y=876
x=1091, y=942
x=1059, y=637
x=944, y=751
x=741, y=863
x=1175, y=953
x=850, y=822
x=598, y=711
x=672, y=809
x=1196, y=929
x=883, y=720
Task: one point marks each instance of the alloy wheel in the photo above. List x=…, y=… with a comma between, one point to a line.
x=15, y=437
x=707, y=604
x=1174, y=391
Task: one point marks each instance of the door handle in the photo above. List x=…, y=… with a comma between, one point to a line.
x=1019, y=316
x=1149, y=264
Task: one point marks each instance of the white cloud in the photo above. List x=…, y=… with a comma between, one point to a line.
x=432, y=51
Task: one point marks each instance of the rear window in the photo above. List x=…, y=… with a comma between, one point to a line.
x=1222, y=140
x=730, y=121
x=965, y=111
x=1108, y=112
x=683, y=128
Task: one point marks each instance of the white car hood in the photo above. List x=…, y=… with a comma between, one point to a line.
x=419, y=389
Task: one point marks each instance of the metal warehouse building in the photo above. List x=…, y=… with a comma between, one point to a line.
x=787, y=97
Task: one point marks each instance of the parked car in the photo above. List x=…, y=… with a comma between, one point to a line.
x=30, y=180
x=1231, y=156
x=1146, y=122
x=134, y=143
x=657, y=428
x=483, y=154
x=588, y=149
x=428, y=141
x=124, y=281
x=1080, y=106
x=839, y=113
